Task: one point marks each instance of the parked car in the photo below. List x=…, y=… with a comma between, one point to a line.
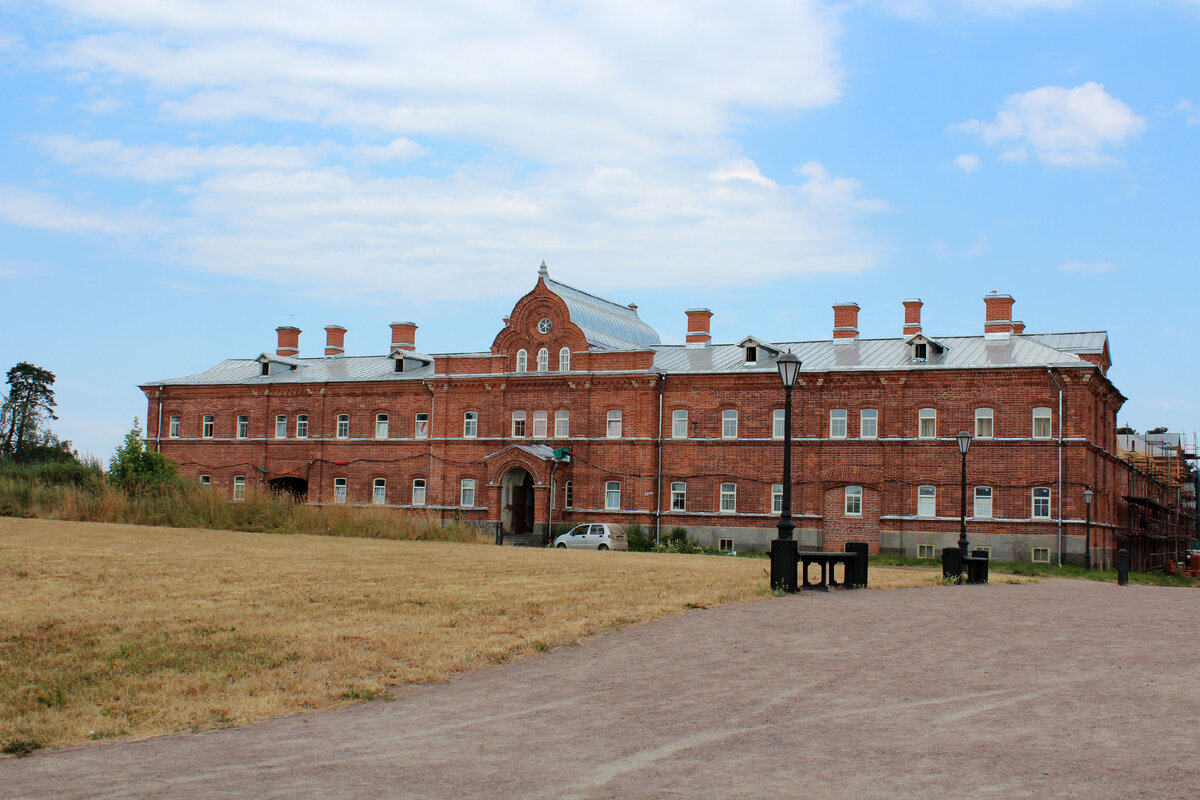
x=594, y=536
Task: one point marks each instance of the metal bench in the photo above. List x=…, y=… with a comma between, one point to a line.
x=827, y=562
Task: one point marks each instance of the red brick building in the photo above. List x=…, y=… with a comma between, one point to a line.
x=688, y=435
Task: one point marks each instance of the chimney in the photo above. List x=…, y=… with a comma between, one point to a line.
x=404, y=336
x=999, y=313
x=1018, y=327
x=845, y=320
x=697, y=330
x=289, y=341
x=335, y=341
x=912, y=316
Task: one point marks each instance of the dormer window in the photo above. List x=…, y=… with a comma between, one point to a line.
x=751, y=352
x=265, y=369
x=924, y=348
x=399, y=365
x=754, y=350
x=920, y=351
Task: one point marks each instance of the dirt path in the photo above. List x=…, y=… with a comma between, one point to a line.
x=1062, y=689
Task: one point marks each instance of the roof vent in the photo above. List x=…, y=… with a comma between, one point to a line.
x=698, y=324
x=335, y=341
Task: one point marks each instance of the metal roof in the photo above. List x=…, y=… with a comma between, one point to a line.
x=310, y=370
x=604, y=323
x=1078, y=342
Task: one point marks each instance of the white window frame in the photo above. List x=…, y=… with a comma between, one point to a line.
x=927, y=423
x=343, y=427
x=679, y=496
x=562, y=423
x=470, y=424
x=614, y=424
x=421, y=425
x=568, y=495
x=518, y=424
x=727, y=500
x=418, y=491
x=985, y=423
x=243, y=426
x=612, y=495
x=522, y=361
x=541, y=422
x=981, y=504
x=302, y=426
x=381, y=426
x=281, y=426
x=868, y=423
x=839, y=424
x=564, y=360
x=173, y=427
x=777, y=423
x=208, y=424
x=466, y=493
x=729, y=423
x=206, y=481
x=679, y=423
x=776, y=498
x=852, y=507
x=1045, y=415
x=379, y=491
x=543, y=360
x=927, y=501
x=1040, y=495
x=239, y=487
x=340, y=488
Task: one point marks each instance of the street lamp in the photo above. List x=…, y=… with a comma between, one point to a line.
x=964, y=444
x=1087, y=550
x=785, y=554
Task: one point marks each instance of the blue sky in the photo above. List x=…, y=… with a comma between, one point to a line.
x=179, y=178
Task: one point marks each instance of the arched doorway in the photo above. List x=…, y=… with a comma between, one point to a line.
x=296, y=487
x=516, y=501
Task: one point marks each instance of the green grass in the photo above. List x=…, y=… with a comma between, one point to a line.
x=1047, y=571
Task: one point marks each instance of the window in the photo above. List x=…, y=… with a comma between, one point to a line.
x=398, y=363
x=612, y=495
x=543, y=362
x=381, y=426
x=281, y=426
x=562, y=424
x=729, y=419
x=1041, y=503
x=243, y=426
x=564, y=360
x=751, y=354
x=379, y=491
x=927, y=423
x=1041, y=423
x=983, y=423
x=302, y=426
x=206, y=430
x=983, y=503
x=613, y=430
x=568, y=495
x=725, y=545
x=518, y=424
x=679, y=424
x=853, y=501
x=777, y=421
x=467, y=492
x=926, y=501
x=421, y=426
x=1041, y=555
x=470, y=424
x=522, y=361
x=206, y=481
x=265, y=369
x=728, y=498
x=173, y=427
x=239, y=487
x=418, y=495
x=339, y=490
x=776, y=498
x=987, y=548
x=539, y=424
x=837, y=423
x=679, y=496
x=868, y=423
x=919, y=351
x=343, y=426
x=924, y=551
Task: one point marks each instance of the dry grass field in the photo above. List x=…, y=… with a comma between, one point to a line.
x=127, y=631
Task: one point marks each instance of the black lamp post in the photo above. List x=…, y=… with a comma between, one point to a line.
x=964, y=444
x=1087, y=548
x=785, y=553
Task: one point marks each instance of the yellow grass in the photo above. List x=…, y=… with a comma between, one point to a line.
x=129, y=631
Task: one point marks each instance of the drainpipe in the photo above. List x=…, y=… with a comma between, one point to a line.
x=1050, y=372
x=662, y=385
x=158, y=436
x=429, y=438
x=550, y=505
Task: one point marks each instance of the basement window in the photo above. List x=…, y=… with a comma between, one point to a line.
x=206, y=481
x=924, y=551
x=1041, y=555
x=725, y=545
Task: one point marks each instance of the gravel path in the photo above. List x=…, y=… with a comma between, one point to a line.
x=1065, y=689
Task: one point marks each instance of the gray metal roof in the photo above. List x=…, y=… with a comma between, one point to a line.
x=604, y=323
x=1079, y=342
x=310, y=370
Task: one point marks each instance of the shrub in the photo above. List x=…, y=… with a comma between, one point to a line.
x=638, y=540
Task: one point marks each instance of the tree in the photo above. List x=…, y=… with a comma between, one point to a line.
x=30, y=399
x=133, y=465
x=1159, y=429
x=1127, y=430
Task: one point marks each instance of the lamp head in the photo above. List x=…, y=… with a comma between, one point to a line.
x=789, y=369
x=964, y=441
x=1087, y=495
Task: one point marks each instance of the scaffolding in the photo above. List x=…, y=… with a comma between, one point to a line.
x=1160, y=496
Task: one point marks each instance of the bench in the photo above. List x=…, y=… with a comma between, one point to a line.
x=827, y=562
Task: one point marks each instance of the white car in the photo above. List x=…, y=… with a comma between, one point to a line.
x=594, y=536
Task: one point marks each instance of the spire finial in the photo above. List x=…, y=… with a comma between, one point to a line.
x=543, y=271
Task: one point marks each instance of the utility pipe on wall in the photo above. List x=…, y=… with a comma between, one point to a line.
x=158, y=436
x=1050, y=372
x=662, y=385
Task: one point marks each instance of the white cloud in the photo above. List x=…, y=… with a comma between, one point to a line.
x=1087, y=267
x=1188, y=109
x=401, y=149
x=11, y=269
x=21, y=206
x=1064, y=127
x=835, y=194
x=937, y=9
x=967, y=162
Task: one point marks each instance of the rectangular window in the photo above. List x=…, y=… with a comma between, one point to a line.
x=837, y=423
x=926, y=501
x=983, y=503
x=924, y=551
x=302, y=426
x=853, y=501
x=987, y=548
x=281, y=426
x=206, y=429
x=418, y=495
x=679, y=424
x=1041, y=423
x=679, y=496
x=1041, y=503
x=343, y=426
x=467, y=493
x=612, y=495
x=518, y=424
x=421, y=426
x=927, y=423
x=173, y=427
x=868, y=423
x=206, y=481
x=1041, y=555
x=777, y=420
x=568, y=495
x=728, y=498
x=562, y=424
x=239, y=487
x=243, y=426
x=983, y=423
x=729, y=422
x=470, y=424
x=539, y=424
x=725, y=545
x=613, y=428
x=381, y=426
x=379, y=491
x=776, y=498
x=339, y=490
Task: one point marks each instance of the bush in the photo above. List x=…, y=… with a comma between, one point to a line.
x=677, y=541
x=638, y=540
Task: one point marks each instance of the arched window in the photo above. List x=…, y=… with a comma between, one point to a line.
x=564, y=360
x=522, y=361
x=543, y=363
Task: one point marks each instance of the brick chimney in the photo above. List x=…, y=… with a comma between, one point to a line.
x=697, y=331
x=1018, y=327
x=289, y=341
x=912, y=316
x=404, y=336
x=999, y=313
x=335, y=341
x=845, y=320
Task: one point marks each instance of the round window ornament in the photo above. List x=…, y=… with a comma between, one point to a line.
x=545, y=324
